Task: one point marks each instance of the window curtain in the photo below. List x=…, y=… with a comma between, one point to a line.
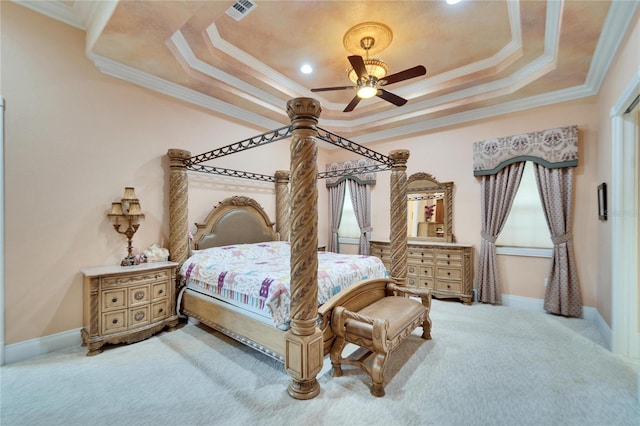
x=562, y=295
x=555, y=153
x=360, y=198
x=497, y=192
x=359, y=175
x=336, y=199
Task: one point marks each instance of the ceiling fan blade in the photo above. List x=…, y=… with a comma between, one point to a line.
x=405, y=75
x=390, y=97
x=352, y=104
x=358, y=66
x=326, y=89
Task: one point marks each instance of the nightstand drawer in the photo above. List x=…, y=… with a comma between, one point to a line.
x=148, y=277
x=159, y=310
x=159, y=291
x=138, y=295
x=114, y=300
x=139, y=317
x=114, y=322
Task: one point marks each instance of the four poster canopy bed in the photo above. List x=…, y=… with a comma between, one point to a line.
x=288, y=312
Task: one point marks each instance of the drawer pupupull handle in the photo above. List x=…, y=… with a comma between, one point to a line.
x=115, y=321
x=160, y=291
x=139, y=295
x=448, y=263
x=139, y=316
x=114, y=300
x=160, y=310
x=448, y=273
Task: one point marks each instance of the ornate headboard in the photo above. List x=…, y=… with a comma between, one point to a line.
x=235, y=220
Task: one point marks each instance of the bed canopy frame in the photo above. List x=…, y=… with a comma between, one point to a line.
x=297, y=221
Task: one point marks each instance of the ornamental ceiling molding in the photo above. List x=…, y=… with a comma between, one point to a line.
x=553, y=148
x=92, y=17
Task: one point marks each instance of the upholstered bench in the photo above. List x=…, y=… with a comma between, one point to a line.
x=379, y=327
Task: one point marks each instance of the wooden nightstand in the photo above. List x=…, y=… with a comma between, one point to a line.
x=126, y=304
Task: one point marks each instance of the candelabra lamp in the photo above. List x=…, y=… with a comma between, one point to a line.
x=127, y=212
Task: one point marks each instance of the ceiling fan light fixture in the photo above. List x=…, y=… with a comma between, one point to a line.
x=368, y=90
x=375, y=68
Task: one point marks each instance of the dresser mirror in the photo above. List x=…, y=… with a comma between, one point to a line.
x=429, y=208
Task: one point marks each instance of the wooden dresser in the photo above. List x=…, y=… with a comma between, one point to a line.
x=445, y=268
x=126, y=304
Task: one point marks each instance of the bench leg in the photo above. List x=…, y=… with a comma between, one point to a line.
x=426, y=328
x=377, y=373
x=336, y=356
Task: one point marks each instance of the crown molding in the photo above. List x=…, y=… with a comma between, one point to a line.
x=87, y=14
x=157, y=84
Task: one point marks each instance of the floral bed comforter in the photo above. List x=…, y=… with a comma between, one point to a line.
x=258, y=275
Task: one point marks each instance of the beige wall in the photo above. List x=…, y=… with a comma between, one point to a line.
x=625, y=66
x=447, y=155
x=75, y=138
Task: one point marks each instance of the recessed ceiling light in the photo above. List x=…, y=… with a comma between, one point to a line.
x=306, y=69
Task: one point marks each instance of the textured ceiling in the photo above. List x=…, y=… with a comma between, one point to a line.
x=483, y=58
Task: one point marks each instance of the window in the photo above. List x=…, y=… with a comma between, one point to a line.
x=349, y=231
x=526, y=227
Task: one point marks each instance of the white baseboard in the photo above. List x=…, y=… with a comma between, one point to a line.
x=588, y=312
x=41, y=346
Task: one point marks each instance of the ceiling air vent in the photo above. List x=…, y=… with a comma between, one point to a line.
x=240, y=9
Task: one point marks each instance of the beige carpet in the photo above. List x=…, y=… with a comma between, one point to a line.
x=486, y=365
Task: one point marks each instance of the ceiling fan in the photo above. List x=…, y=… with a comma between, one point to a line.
x=369, y=75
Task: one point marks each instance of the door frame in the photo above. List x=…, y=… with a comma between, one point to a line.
x=624, y=224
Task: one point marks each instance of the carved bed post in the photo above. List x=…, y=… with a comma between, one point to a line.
x=178, y=205
x=303, y=341
x=399, y=215
x=282, y=204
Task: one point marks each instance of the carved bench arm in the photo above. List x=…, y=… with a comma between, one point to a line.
x=380, y=326
x=423, y=293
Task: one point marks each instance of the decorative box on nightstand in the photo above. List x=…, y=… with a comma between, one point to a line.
x=126, y=304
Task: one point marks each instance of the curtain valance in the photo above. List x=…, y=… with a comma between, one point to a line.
x=552, y=148
x=358, y=170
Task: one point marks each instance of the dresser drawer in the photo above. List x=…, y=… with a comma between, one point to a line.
x=452, y=286
x=413, y=270
x=426, y=271
x=113, y=299
x=446, y=268
x=449, y=273
x=114, y=322
x=380, y=251
x=449, y=263
x=451, y=255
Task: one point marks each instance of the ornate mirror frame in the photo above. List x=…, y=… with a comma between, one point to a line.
x=424, y=183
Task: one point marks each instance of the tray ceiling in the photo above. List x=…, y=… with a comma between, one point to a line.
x=483, y=58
